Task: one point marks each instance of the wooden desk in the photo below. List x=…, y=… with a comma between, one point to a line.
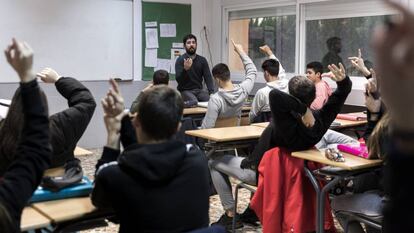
x=351, y=165
x=80, y=151
x=352, y=162
x=201, y=110
x=194, y=111
x=347, y=124
x=65, y=209
x=343, y=124
x=228, y=133
x=32, y=219
x=262, y=124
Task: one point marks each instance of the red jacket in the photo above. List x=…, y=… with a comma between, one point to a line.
x=285, y=200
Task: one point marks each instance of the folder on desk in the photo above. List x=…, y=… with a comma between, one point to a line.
x=83, y=188
x=352, y=116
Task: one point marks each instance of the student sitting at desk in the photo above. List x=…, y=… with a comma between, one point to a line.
x=314, y=71
x=368, y=198
x=160, y=77
x=272, y=69
x=32, y=150
x=66, y=127
x=157, y=184
x=229, y=99
x=294, y=125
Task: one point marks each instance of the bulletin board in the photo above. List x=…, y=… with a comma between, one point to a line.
x=164, y=13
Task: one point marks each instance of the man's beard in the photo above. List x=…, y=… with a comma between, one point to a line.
x=191, y=51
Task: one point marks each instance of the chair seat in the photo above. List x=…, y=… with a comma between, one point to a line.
x=368, y=204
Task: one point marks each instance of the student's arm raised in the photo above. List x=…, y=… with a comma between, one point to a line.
x=359, y=64
x=249, y=67
x=33, y=151
x=266, y=50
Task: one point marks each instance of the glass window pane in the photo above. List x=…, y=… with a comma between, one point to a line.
x=334, y=40
x=276, y=31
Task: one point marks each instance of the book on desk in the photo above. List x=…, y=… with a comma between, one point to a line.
x=83, y=188
x=357, y=116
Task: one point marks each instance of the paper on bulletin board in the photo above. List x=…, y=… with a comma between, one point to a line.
x=151, y=38
x=151, y=57
x=177, y=45
x=163, y=64
x=175, y=53
x=168, y=30
x=151, y=24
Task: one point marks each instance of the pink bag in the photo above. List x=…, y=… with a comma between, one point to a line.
x=360, y=150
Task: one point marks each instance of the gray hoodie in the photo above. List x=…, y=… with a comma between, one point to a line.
x=225, y=103
x=261, y=99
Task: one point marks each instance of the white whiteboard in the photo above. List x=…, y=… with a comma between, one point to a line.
x=85, y=39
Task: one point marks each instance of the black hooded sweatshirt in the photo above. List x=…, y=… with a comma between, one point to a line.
x=154, y=187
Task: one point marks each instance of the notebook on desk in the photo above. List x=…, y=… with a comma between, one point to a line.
x=84, y=188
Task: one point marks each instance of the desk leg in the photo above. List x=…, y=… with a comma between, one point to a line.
x=320, y=197
x=210, y=152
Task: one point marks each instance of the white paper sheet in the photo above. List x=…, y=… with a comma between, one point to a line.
x=151, y=57
x=151, y=38
x=163, y=64
x=177, y=45
x=168, y=30
x=151, y=24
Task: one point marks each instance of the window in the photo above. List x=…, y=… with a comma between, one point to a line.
x=333, y=40
x=275, y=27
x=343, y=25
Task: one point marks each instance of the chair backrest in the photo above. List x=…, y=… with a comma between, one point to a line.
x=227, y=122
x=263, y=117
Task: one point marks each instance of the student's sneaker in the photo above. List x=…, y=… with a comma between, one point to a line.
x=249, y=217
x=227, y=222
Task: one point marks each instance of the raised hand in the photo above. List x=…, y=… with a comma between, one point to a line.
x=358, y=63
x=48, y=75
x=266, y=50
x=238, y=48
x=113, y=102
x=339, y=74
x=188, y=62
x=113, y=107
x=20, y=56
